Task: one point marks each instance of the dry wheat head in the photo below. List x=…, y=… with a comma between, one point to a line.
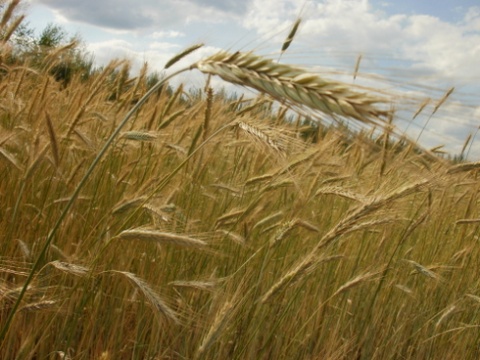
x=295, y=86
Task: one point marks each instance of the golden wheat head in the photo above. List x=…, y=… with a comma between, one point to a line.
x=294, y=86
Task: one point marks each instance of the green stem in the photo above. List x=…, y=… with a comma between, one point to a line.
x=75, y=195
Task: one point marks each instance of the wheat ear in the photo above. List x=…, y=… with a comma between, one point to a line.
x=291, y=35
x=219, y=323
x=161, y=237
x=294, y=86
x=7, y=15
x=157, y=303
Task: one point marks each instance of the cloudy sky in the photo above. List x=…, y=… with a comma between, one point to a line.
x=417, y=48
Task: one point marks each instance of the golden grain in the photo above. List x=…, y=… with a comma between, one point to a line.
x=161, y=237
x=294, y=86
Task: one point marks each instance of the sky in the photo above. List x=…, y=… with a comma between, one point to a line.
x=411, y=49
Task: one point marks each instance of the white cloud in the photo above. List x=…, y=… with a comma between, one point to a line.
x=343, y=28
x=162, y=46
x=156, y=57
x=416, y=54
x=449, y=50
x=143, y=15
x=105, y=51
x=472, y=19
x=171, y=34
x=476, y=113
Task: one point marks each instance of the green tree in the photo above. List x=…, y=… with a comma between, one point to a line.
x=53, y=36
x=70, y=55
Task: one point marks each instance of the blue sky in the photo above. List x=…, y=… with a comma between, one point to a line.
x=418, y=49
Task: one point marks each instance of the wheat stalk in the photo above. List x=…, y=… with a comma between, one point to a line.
x=357, y=66
x=161, y=237
x=259, y=134
x=8, y=13
x=310, y=263
x=124, y=206
x=140, y=136
x=286, y=228
x=455, y=169
x=69, y=268
x=268, y=219
x=39, y=305
x=231, y=216
x=11, y=29
x=208, y=113
x=291, y=35
x=199, y=285
x=219, y=323
x=294, y=86
x=423, y=270
x=157, y=303
x=10, y=158
x=336, y=190
x=258, y=179
x=448, y=311
x=474, y=297
x=422, y=106
x=237, y=238
x=182, y=54
x=355, y=281
x=53, y=139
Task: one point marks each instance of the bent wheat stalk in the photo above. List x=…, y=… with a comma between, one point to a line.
x=294, y=86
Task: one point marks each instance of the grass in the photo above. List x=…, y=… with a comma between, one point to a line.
x=212, y=228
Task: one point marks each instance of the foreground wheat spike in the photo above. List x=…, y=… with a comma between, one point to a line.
x=294, y=86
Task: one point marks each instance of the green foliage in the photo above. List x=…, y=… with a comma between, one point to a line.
x=52, y=36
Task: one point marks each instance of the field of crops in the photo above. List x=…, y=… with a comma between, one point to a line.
x=226, y=227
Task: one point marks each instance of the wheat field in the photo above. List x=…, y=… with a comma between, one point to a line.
x=225, y=227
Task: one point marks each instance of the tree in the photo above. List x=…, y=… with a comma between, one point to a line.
x=52, y=36
x=70, y=56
